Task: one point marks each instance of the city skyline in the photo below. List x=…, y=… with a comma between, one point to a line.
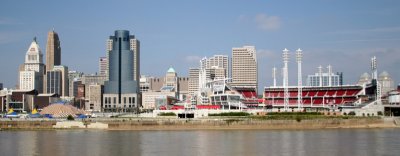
x=353, y=34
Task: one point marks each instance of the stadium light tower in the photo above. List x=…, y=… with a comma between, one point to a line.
x=375, y=78
x=329, y=75
x=299, y=56
x=274, y=75
x=374, y=68
x=285, y=56
x=320, y=75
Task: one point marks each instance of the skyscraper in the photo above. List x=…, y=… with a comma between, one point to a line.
x=103, y=62
x=53, y=50
x=54, y=82
x=73, y=76
x=58, y=81
x=193, y=80
x=31, y=76
x=216, y=61
x=121, y=90
x=134, y=45
x=244, y=67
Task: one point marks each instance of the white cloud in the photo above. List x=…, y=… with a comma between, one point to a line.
x=193, y=58
x=267, y=23
x=265, y=53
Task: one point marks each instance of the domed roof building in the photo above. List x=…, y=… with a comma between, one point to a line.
x=364, y=78
x=386, y=82
x=59, y=110
x=171, y=70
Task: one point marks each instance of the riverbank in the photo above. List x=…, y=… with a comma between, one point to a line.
x=199, y=124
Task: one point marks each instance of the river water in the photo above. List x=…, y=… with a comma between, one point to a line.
x=343, y=142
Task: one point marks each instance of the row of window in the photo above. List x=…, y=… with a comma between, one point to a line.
x=108, y=100
x=114, y=106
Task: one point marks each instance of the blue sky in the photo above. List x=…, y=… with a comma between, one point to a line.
x=344, y=34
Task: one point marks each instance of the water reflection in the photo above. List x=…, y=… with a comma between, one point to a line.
x=202, y=143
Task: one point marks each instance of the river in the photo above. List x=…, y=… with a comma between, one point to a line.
x=354, y=142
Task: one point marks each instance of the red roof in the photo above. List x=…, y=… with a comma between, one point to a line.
x=208, y=106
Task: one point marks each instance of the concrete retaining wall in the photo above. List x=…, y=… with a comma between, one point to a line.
x=182, y=124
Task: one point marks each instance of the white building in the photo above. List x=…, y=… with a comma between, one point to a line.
x=73, y=76
x=193, y=80
x=94, y=101
x=314, y=80
x=216, y=61
x=31, y=76
x=244, y=67
x=103, y=62
x=386, y=82
x=149, y=98
x=364, y=79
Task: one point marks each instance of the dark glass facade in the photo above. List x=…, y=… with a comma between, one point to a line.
x=120, y=66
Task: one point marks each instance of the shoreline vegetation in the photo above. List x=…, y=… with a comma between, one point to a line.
x=222, y=121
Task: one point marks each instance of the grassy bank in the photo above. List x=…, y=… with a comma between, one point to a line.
x=299, y=116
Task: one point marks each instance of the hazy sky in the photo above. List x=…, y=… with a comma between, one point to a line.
x=173, y=33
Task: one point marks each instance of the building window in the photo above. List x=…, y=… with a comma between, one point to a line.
x=124, y=100
x=115, y=100
x=133, y=100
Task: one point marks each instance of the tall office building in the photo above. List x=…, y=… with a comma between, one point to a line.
x=94, y=100
x=54, y=82
x=216, y=61
x=73, y=76
x=193, y=80
x=134, y=45
x=314, y=80
x=53, y=50
x=103, y=62
x=58, y=81
x=121, y=90
x=325, y=78
x=31, y=74
x=171, y=79
x=244, y=67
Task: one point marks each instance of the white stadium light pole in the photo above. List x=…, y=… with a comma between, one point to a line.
x=285, y=56
x=299, y=56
